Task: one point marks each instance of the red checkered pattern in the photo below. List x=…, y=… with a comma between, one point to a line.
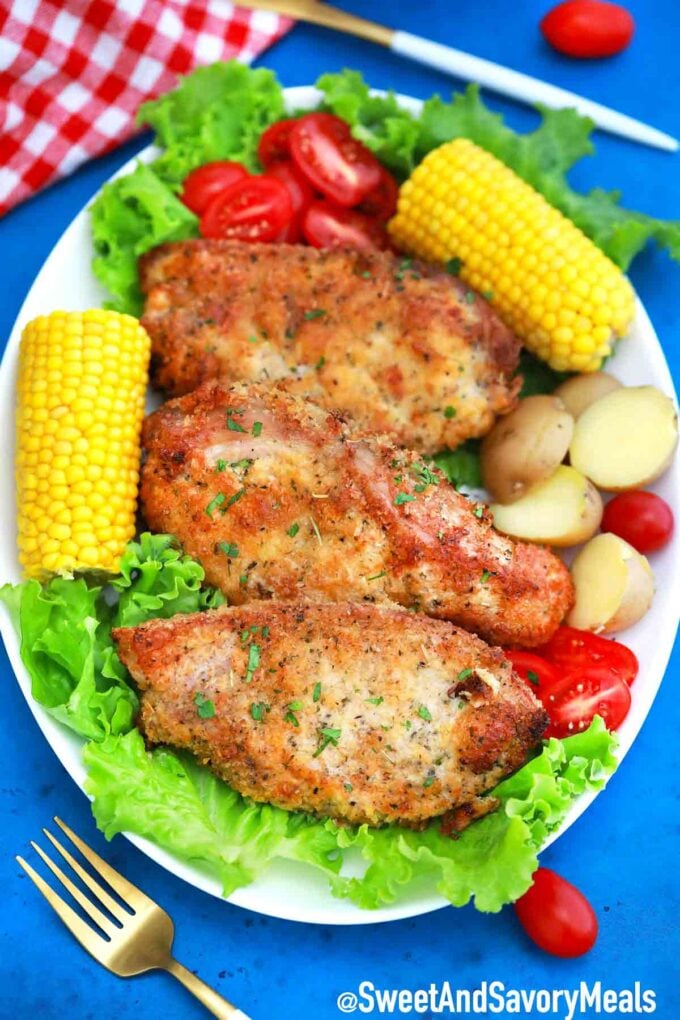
x=73, y=73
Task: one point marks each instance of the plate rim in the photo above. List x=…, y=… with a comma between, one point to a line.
x=57, y=735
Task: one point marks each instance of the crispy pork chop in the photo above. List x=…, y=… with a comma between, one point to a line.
x=400, y=346
x=361, y=713
x=279, y=498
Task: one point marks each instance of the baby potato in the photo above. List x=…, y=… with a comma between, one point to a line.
x=581, y=391
x=614, y=585
x=525, y=447
x=563, y=510
x=625, y=439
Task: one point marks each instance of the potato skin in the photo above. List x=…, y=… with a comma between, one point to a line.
x=525, y=447
x=614, y=585
x=579, y=392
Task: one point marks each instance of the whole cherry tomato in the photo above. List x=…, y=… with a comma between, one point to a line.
x=643, y=519
x=571, y=650
x=273, y=145
x=556, y=916
x=255, y=209
x=588, y=28
x=325, y=225
x=540, y=674
x=334, y=162
x=581, y=696
x=205, y=182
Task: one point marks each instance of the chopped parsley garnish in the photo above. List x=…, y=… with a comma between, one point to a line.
x=244, y=463
x=366, y=275
x=258, y=709
x=486, y=574
x=407, y=724
x=253, y=661
x=243, y=579
x=449, y=411
x=465, y=673
x=253, y=339
x=204, y=706
x=532, y=676
x=317, y=692
x=454, y=266
x=488, y=294
x=320, y=363
x=348, y=787
x=214, y=503
x=290, y=716
x=429, y=780
x=257, y=429
x=221, y=465
x=425, y=477
x=403, y=497
x=375, y=701
x=293, y=529
x=479, y=511
x=229, y=549
x=375, y=577
x=425, y=713
x=235, y=498
x=470, y=296
x=328, y=736
x=232, y=425
x=315, y=313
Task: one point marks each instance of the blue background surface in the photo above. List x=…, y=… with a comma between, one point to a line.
x=622, y=853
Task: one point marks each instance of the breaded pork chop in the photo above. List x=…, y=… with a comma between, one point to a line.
x=401, y=347
x=279, y=498
x=360, y=713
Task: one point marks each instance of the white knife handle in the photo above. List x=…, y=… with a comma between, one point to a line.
x=523, y=87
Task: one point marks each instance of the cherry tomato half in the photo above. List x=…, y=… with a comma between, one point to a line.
x=273, y=144
x=256, y=209
x=643, y=519
x=588, y=28
x=571, y=650
x=334, y=162
x=205, y=182
x=298, y=186
x=540, y=674
x=325, y=225
x=381, y=202
x=581, y=696
x=556, y=916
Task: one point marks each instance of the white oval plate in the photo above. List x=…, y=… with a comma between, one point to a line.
x=291, y=890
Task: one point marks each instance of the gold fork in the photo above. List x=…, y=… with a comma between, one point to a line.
x=142, y=938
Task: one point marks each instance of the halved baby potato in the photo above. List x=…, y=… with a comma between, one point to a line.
x=563, y=510
x=579, y=392
x=614, y=585
x=525, y=447
x=626, y=439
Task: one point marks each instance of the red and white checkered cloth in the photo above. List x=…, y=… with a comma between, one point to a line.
x=73, y=73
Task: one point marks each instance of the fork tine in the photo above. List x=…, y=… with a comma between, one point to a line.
x=87, y=937
x=115, y=908
x=133, y=896
x=100, y=919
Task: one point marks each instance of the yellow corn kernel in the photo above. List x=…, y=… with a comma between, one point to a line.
x=561, y=295
x=82, y=380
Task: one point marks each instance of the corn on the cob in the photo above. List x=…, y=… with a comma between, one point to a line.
x=562, y=296
x=81, y=387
